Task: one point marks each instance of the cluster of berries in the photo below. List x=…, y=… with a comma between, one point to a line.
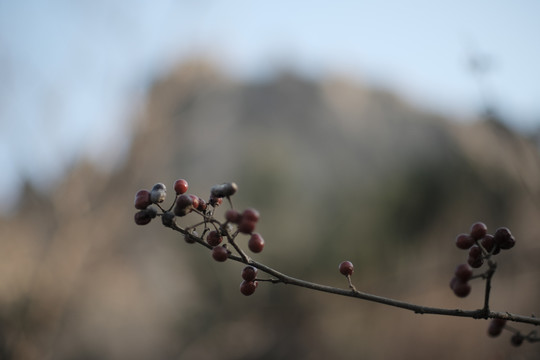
x=481, y=247
x=495, y=328
x=148, y=204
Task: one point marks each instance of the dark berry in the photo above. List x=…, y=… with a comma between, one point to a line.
x=246, y=226
x=478, y=230
x=215, y=201
x=168, y=218
x=517, y=339
x=223, y=190
x=488, y=243
x=183, y=205
x=202, y=205
x=249, y=273
x=248, y=287
x=256, y=243
x=504, y=238
x=346, y=268
x=460, y=288
x=463, y=272
x=464, y=241
x=475, y=262
x=180, y=186
x=142, y=217
x=495, y=327
x=220, y=253
x=213, y=238
x=233, y=216
x=250, y=215
x=142, y=199
x=475, y=252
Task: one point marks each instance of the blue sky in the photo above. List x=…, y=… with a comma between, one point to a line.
x=73, y=73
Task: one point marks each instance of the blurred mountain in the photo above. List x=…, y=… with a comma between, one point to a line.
x=337, y=170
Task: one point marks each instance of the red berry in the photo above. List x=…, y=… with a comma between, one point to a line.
x=220, y=253
x=180, y=186
x=213, y=238
x=463, y=272
x=249, y=273
x=250, y=215
x=194, y=201
x=233, y=216
x=478, y=230
x=142, y=217
x=246, y=226
x=256, y=243
x=142, y=199
x=202, y=205
x=464, y=241
x=346, y=268
x=248, y=287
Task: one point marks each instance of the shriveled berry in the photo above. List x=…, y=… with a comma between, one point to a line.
x=158, y=193
x=152, y=211
x=463, y=272
x=213, y=238
x=346, y=268
x=180, y=186
x=142, y=199
x=220, y=253
x=464, y=241
x=517, y=339
x=503, y=237
x=478, y=230
x=168, y=218
x=215, y=201
x=233, y=216
x=246, y=226
x=183, y=205
x=250, y=215
x=249, y=273
x=256, y=243
x=142, y=217
x=248, y=287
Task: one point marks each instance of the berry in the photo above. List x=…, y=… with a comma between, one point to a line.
x=478, y=230
x=346, y=268
x=504, y=238
x=248, y=287
x=475, y=262
x=142, y=217
x=194, y=201
x=249, y=273
x=256, y=243
x=223, y=190
x=168, y=218
x=463, y=272
x=220, y=253
x=215, y=201
x=202, y=205
x=180, y=186
x=517, y=339
x=464, y=241
x=158, y=193
x=183, y=205
x=246, y=226
x=488, y=242
x=233, y=216
x=475, y=252
x=495, y=327
x=460, y=288
x=142, y=199
x=213, y=238
x=250, y=215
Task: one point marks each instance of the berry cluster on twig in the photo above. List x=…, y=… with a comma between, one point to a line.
x=221, y=238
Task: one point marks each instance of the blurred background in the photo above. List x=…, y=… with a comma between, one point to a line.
x=366, y=131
